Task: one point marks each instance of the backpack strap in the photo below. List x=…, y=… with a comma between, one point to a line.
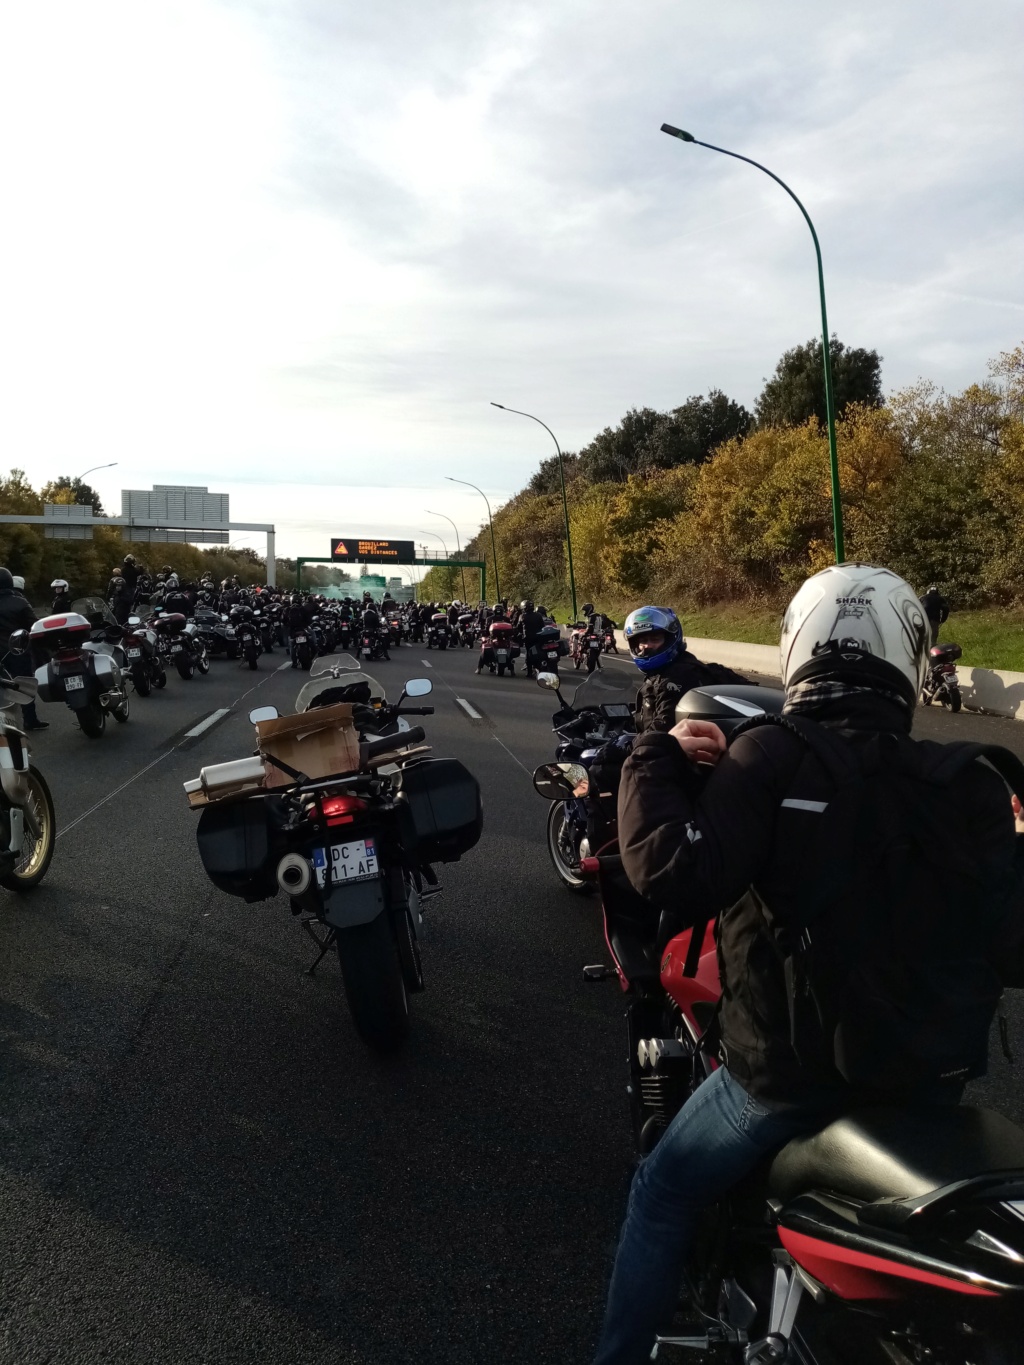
x=837, y=757
x=955, y=757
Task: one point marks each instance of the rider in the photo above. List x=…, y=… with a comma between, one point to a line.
x=658, y=646
x=61, y=590
x=854, y=652
x=532, y=623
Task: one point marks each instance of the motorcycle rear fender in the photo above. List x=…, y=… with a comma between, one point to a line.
x=360, y=903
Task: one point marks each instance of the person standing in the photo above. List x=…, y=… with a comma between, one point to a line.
x=936, y=608
x=17, y=614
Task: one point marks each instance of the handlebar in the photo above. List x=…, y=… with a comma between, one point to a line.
x=416, y=711
x=415, y=735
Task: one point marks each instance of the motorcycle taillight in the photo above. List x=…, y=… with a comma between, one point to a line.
x=341, y=810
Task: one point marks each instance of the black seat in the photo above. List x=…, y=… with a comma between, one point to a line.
x=895, y=1153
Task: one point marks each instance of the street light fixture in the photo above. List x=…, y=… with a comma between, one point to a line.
x=95, y=467
x=565, y=504
x=490, y=522
x=830, y=407
x=458, y=544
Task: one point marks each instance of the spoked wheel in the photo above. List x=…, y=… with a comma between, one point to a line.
x=371, y=972
x=563, y=851
x=93, y=720
x=40, y=834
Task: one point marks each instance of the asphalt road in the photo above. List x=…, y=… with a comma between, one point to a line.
x=200, y=1162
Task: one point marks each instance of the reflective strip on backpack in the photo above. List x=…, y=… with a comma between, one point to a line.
x=792, y=803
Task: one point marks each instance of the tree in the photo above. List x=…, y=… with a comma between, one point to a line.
x=796, y=392
x=547, y=478
x=71, y=491
x=689, y=434
x=614, y=455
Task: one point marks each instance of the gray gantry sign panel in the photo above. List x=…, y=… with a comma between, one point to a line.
x=191, y=508
x=58, y=512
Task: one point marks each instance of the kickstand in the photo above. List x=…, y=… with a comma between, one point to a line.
x=324, y=944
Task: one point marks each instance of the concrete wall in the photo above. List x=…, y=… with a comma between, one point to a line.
x=984, y=689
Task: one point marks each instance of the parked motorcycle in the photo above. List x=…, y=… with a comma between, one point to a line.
x=941, y=683
x=498, y=649
x=78, y=659
x=585, y=647
x=302, y=649
x=545, y=651
x=352, y=843
x=438, y=631
x=265, y=625
x=143, y=657
x=28, y=825
x=184, y=644
x=247, y=633
x=217, y=633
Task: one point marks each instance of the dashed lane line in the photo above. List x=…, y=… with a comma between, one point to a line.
x=211, y=719
x=469, y=709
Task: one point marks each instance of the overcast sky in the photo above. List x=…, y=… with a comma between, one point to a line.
x=292, y=248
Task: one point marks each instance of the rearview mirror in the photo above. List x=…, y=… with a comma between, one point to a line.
x=559, y=781
x=260, y=713
x=135, y=620
x=548, y=680
x=418, y=687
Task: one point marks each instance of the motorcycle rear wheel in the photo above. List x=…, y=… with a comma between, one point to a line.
x=160, y=680
x=93, y=720
x=186, y=668
x=120, y=713
x=371, y=974
x=142, y=681
x=203, y=663
x=569, y=877
x=952, y=701
x=36, y=853
x=252, y=661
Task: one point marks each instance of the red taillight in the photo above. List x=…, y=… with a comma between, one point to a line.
x=341, y=810
x=54, y=622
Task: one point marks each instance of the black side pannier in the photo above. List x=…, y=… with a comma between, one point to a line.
x=439, y=810
x=237, y=846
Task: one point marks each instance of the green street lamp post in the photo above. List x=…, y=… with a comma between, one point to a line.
x=458, y=544
x=565, y=504
x=830, y=406
x=437, y=535
x=490, y=522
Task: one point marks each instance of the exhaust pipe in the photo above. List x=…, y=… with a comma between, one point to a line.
x=293, y=874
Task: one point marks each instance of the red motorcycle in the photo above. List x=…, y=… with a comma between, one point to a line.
x=498, y=650
x=895, y=1236
x=942, y=684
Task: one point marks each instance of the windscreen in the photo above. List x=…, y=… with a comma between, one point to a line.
x=93, y=608
x=339, y=685
x=607, y=685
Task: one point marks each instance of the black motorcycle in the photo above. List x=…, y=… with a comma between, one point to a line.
x=545, y=650
x=941, y=683
x=438, y=632
x=353, y=845
x=79, y=659
x=183, y=644
x=142, y=654
x=265, y=625
x=217, y=633
x=247, y=633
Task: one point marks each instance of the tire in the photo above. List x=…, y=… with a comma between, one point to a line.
x=252, y=661
x=955, y=700
x=511, y=670
x=501, y=670
x=186, y=668
x=93, y=720
x=591, y=663
x=203, y=663
x=160, y=680
x=120, y=713
x=409, y=953
x=141, y=679
x=576, y=661
x=569, y=879
x=30, y=869
x=371, y=973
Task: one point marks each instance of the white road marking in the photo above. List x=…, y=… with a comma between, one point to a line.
x=211, y=719
x=426, y=663
x=470, y=710
x=512, y=756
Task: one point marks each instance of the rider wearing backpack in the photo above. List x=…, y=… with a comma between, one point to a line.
x=869, y=896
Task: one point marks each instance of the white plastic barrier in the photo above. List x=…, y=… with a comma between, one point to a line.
x=984, y=689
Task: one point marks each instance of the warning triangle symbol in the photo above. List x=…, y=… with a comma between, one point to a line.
x=341, y=548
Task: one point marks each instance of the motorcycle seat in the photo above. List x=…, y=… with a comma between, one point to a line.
x=892, y=1152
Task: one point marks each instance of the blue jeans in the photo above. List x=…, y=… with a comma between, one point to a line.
x=719, y=1135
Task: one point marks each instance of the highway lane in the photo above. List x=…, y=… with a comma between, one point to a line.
x=199, y=1160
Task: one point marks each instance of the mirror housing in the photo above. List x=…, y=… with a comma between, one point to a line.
x=135, y=620
x=18, y=642
x=548, y=680
x=417, y=687
x=560, y=781
x=263, y=713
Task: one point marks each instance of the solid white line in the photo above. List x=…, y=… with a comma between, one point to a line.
x=470, y=711
x=205, y=724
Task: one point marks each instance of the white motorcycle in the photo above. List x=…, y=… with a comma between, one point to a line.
x=28, y=825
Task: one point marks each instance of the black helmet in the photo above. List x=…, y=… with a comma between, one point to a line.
x=128, y=559
x=526, y=605
x=587, y=609
x=6, y=579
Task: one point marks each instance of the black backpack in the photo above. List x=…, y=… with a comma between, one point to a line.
x=886, y=950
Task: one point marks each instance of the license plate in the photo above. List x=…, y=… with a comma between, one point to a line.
x=135, y=654
x=74, y=683
x=176, y=649
x=502, y=653
x=300, y=639
x=355, y=861
x=551, y=654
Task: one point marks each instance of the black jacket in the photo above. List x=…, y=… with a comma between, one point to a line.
x=936, y=608
x=656, y=701
x=15, y=614
x=700, y=847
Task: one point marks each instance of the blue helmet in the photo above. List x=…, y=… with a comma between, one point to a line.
x=643, y=622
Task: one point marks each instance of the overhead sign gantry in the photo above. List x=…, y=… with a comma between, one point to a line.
x=367, y=550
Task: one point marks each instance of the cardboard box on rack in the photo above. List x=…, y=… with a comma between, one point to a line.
x=318, y=743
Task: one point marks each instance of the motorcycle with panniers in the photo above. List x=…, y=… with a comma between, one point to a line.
x=79, y=659
x=893, y=1236
x=343, y=810
x=498, y=649
x=28, y=825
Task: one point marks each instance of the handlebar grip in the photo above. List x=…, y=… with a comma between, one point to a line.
x=387, y=743
x=416, y=711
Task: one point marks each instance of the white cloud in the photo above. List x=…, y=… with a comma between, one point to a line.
x=308, y=241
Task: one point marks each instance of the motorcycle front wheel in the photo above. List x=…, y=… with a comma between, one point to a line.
x=37, y=849
x=562, y=851
x=203, y=663
x=371, y=973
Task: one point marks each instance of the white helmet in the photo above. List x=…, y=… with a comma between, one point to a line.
x=19, y=582
x=59, y=583
x=859, y=623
